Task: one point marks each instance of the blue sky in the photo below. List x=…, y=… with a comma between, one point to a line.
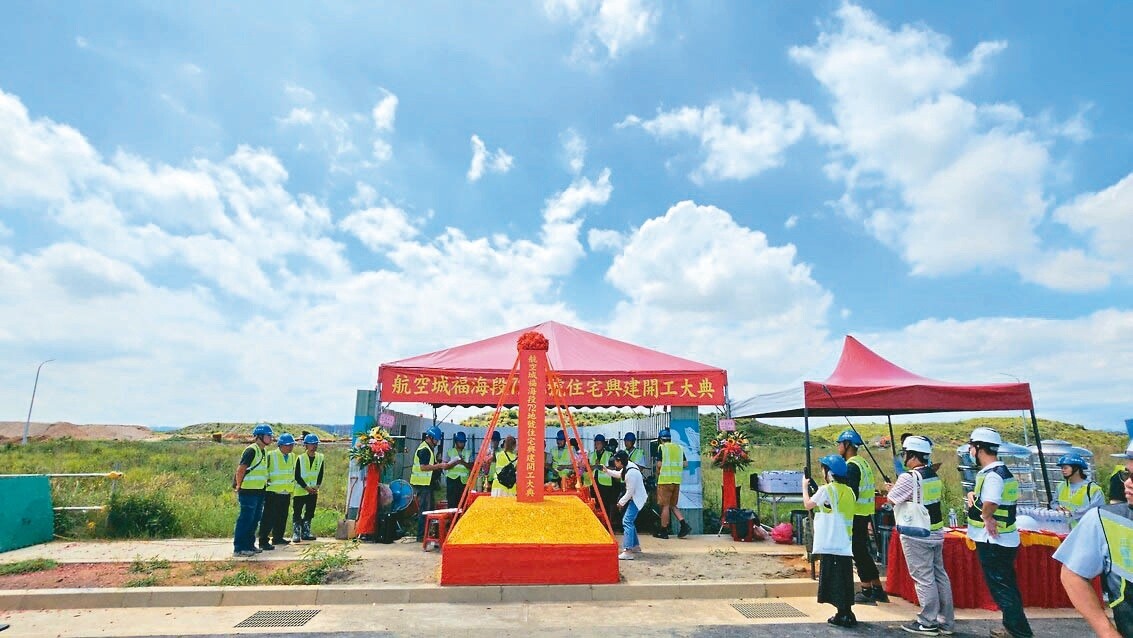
x=238, y=213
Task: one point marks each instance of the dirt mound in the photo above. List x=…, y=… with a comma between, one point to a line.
x=14, y=431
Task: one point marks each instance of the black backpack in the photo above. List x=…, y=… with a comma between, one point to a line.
x=506, y=475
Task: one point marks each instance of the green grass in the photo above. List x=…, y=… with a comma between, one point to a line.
x=145, y=581
x=242, y=578
x=27, y=566
x=148, y=566
x=194, y=476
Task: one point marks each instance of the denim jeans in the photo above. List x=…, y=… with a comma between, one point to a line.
x=629, y=520
x=251, y=510
x=424, y=504
x=998, y=564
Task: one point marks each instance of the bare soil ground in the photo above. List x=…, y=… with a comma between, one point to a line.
x=68, y=575
x=11, y=431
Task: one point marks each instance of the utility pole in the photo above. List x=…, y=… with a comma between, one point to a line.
x=27, y=424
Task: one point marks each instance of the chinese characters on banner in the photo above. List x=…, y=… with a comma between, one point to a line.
x=629, y=389
x=532, y=415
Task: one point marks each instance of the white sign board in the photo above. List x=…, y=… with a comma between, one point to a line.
x=727, y=425
x=386, y=420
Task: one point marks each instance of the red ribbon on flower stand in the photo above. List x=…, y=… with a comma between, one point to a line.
x=368, y=510
x=728, y=483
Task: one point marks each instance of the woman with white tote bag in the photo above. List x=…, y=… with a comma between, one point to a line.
x=833, y=527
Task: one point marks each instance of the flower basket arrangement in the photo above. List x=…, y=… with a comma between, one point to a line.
x=729, y=451
x=375, y=448
x=532, y=341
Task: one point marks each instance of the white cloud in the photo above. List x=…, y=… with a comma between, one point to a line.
x=574, y=147
x=484, y=160
x=213, y=279
x=740, y=137
x=298, y=115
x=605, y=240
x=191, y=69
x=919, y=161
x=791, y=222
x=81, y=42
x=1104, y=219
x=606, y=28
x=298, y=94
x=698, y=283
x=384, y=112
x=382, y=151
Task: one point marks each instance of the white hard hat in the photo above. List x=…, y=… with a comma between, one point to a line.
x=985, y=435
x=1128, y=452
x=917, y=444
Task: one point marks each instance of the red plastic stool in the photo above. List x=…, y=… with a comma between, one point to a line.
x=437, y=523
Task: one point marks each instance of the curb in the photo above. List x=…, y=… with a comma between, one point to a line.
x=289, y=596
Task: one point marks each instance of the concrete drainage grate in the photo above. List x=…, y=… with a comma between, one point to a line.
x=290, y=618
x=768, y=610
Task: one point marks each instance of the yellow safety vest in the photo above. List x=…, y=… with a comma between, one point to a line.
x=309, y=471
x=1077, y=501
x=503, y=459
x=562, y=457
x=867, y=488
x=458, y=471
x=1118, y=532
x=281, y=472
x=1005, y=511
x=256, y=476
x=637, y=455
x=418, y=476
x=672, y=464
x=843, y=498
x=597, y=462
x=932, y=490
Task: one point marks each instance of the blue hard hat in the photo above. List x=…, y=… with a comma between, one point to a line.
x=836, y=465
x=664, y=434
x=631, y=437
x=560, y=436
x=435, y=432
x=599, y=437
x=262, y=429
x=1074, y=460
x=496, y=435
x=286, y=439
x=311, y=439
x=851, y=437
x=460, y=437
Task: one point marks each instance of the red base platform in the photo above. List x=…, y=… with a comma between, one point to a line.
x=529, y=564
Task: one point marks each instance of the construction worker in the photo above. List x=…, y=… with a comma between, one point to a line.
x=488, y=470
x=834, y=549
x=670, y=464
x=1098, y=546
x=560, y=460
x=251, y=479
x=860, y=478
x=308, y=480
x=458, y=461
x=1076, y=495
x=604, y=488
x=1116, y=481
x=280, y=486
x=423, y=477
x=991, y=526
x=924, y=555
x=636, y=454
x=503, y=459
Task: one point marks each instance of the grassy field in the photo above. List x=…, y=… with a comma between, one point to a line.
x=193, y=477
x=190, y=480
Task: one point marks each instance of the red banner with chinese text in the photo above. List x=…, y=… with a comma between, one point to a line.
x=532, y=377
x=403, y=385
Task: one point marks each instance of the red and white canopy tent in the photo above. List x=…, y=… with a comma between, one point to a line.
x=865, y=384
x=596, y=371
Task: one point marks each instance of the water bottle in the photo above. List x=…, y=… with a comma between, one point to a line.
x=952, y=522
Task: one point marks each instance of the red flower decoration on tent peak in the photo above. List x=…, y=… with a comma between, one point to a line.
x=532, y=341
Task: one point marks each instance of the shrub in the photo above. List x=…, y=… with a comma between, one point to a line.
x=142, y=515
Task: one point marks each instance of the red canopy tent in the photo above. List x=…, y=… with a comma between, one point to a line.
x=866, y=384
x=596, y=371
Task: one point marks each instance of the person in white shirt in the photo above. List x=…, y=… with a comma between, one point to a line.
x=631, y=502
x=991, y=526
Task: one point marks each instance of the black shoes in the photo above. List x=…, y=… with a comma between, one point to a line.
x=280, y=541
x=664, y=534
x=266, y=546
x=685, y=530
x=848, y=621
x=871, y=596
